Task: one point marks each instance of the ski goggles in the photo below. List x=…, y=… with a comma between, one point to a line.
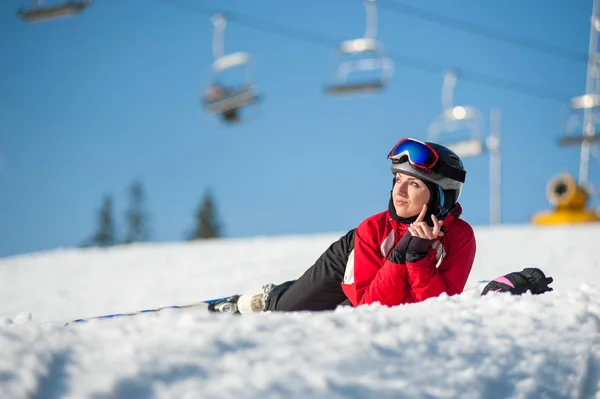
x=423, y=157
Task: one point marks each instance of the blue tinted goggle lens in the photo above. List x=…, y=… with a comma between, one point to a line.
x=418, y=153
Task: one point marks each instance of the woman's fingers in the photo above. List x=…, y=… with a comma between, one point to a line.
x=422, y=230
x=437, y=226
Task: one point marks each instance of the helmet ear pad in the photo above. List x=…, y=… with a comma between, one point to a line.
x=447, y=203
x=434, y=206
x=441, y=202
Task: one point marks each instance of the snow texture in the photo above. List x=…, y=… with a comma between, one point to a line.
x=463, y=346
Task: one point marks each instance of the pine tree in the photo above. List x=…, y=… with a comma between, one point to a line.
x=136, y=216
x=105, y=235
x=207, y=224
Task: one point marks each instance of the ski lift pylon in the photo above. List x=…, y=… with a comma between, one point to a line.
x=377, y=60
x=220, y=99
x=40, y=13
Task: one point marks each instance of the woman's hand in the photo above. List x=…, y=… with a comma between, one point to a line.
x=420, y=229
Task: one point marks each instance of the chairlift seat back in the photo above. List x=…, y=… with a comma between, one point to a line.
x=586, y=101
x=450, y=115
x=361, y=45
x=230, y=61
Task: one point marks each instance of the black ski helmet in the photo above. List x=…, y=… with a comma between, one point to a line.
x=449, y=188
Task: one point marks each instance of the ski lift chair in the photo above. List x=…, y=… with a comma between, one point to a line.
x=39, y=13
x=376, y=59
x=462, y=115
x=590, y=105
x=465, y=117
x=226, y=101
x=222, y=100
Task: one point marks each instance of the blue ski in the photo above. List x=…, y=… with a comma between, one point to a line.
x=206, y=303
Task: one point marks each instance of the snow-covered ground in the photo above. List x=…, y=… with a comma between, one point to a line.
x=466, y=346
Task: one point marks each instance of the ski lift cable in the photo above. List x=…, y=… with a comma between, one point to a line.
x=405, y=60
x=481, y=30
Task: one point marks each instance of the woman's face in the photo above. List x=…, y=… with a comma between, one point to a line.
x=409, y=195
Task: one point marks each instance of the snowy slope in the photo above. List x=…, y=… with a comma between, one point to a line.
x=466, y=346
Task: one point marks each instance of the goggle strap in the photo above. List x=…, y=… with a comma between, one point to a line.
x=452, y=173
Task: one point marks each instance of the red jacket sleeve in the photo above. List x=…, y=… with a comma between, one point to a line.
x=376, y=279
x=427, y=280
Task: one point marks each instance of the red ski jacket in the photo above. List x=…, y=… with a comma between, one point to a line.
x=370, y=277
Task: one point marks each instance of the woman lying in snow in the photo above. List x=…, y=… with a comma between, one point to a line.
x=417, y=249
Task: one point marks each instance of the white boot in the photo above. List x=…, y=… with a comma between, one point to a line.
x=254, y=301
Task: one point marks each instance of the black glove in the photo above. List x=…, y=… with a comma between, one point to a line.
x=419, y=245
x=517, y=283
x=398, y=254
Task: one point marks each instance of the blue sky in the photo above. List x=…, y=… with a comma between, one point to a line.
x=89, y=104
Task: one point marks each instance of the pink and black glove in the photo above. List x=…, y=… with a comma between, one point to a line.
x=517, y=283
